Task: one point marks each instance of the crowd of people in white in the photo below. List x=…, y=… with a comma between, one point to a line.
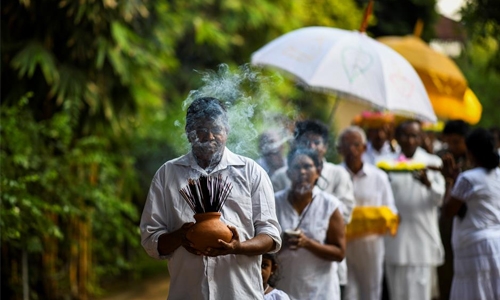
x=288, y=214
x=425, y=200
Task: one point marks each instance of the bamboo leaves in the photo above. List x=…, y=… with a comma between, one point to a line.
x=32, y=56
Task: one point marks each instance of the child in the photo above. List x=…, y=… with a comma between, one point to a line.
x=269, y=276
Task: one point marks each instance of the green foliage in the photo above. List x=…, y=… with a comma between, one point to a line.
x=482, y=20
x=46, y=183
x=475, y=63
x=480, y=60
x=106, y=82
x=395, y=17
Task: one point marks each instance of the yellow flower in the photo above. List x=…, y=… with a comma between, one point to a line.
x=401, y=166
x=368, y=220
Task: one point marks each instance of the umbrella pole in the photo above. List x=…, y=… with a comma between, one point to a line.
x=334, y=109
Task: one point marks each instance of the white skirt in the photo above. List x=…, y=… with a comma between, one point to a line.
x=477, y=271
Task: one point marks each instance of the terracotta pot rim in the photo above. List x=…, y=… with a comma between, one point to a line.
x=213, y=213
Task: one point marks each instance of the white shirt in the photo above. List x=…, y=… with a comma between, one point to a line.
x=303, y=274
x=417, y=241
x=372, y=187
x=276, y=294
x=250, y=208
x=334, y=179
x=263, y=163
x=371, y=155
x=480, y=190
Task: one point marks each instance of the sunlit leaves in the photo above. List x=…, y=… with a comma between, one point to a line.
x=108, y=78
x=32, y=56
x=46, y=181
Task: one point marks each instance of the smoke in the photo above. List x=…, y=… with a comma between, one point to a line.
x=246, y=95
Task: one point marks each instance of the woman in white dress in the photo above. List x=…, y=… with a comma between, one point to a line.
x=308, y=260
x=474, y=199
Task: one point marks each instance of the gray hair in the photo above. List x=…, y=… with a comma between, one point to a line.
x=351, y=129
x=205, y=108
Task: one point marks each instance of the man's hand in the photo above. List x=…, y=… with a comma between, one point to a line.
x=450, y=169
x=185, y=242
x=299, y=241
x=169, y=242
x=421, y=175
x=233, y=247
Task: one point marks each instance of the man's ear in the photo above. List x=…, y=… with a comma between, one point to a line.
x=191, y=135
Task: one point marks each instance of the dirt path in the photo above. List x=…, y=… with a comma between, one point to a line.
x=152, y=289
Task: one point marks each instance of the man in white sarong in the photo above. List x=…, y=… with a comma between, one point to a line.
x=416, y=250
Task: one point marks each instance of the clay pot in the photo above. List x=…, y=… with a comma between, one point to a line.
x=207, y=230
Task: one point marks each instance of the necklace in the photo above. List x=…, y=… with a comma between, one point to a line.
x=266, y=289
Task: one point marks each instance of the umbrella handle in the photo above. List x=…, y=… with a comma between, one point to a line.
x=334, y=109
x=368, y=12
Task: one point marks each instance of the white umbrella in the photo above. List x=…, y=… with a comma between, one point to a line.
x=352, y=64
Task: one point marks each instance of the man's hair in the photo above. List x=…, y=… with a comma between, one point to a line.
x=205, y=108
x=456, y=127
x=481, y=143
x=351, y=129
x=311, y=153
x=270, y=141
x=314, y=126
x=399, y=128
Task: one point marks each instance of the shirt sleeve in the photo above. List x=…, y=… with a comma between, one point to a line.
x=280, y=179
x=153, y=218
x=345, y=193
x=462, y=189
x=438, y=185
x=264, y=208
x=387, y=195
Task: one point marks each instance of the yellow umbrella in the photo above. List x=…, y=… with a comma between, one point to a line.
x=468, y=108
x=444, y=82
x=438, y=72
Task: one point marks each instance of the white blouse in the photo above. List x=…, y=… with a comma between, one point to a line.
x=480, y=190
x=303, y=274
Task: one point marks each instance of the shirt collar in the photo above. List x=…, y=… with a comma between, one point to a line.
x=228, y=159
x=362, y=172
x=386, y=148
x=418, y=155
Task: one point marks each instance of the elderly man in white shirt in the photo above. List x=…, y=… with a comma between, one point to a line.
x=334, y=179
x=365, y=255
x=416, y=250
x=233, y=270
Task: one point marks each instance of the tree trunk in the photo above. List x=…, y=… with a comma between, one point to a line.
x=49, y=260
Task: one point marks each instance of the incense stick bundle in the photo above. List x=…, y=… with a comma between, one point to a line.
x=206, y=194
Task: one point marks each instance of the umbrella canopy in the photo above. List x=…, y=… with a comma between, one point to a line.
x=467, y=109
x=443, y=80
x=352, y=64
x=438, y=72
